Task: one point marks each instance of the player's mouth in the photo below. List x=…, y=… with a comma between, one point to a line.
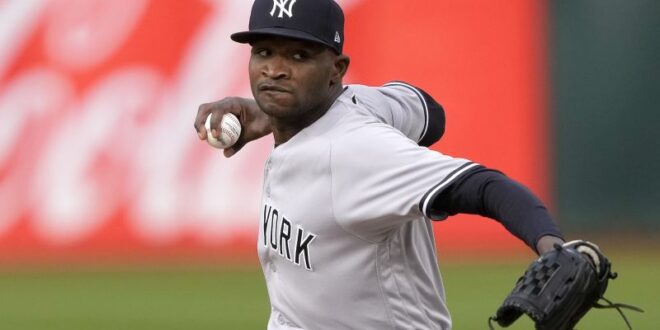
x=272, y=88
x=274, y=94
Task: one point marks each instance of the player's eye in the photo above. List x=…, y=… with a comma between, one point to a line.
x=300, y=55
x=263, y=52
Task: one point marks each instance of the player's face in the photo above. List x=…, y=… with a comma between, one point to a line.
x=291, y=79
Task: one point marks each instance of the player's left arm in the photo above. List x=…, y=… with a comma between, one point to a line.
x=574, y=274
x=491, y=194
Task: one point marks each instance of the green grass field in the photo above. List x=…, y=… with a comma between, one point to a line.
x=205, y=297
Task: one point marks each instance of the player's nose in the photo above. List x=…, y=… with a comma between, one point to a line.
x=276, y=68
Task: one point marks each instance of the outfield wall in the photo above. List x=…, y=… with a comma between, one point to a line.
x=99, y=159
x=606, y=110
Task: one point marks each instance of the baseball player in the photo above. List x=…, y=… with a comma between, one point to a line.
x=345, y=238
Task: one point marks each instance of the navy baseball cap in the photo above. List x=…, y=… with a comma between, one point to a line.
x=320, y=21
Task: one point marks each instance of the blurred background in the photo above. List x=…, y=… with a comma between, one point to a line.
x=113, y=215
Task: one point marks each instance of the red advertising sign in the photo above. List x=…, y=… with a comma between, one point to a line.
x=98, y=156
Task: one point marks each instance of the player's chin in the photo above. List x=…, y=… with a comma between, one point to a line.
x=276, y=105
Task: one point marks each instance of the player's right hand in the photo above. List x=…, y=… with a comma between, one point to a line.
x=255, y=124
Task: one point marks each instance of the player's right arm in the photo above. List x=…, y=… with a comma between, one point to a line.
x=407, y=108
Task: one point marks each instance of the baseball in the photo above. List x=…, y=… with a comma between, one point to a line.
x=230, y=130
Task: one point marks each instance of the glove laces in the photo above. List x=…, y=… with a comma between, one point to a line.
x=618, y=307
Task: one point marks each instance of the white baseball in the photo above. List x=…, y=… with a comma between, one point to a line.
x=230, y=130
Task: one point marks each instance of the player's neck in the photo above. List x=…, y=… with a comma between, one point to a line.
x=286, y=128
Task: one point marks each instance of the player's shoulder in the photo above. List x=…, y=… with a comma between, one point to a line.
x=351, y=119
x=391, y=88
x=368, y=100
x=352, y=123
x=356, y=133
x=388, y=92
x=389, y=103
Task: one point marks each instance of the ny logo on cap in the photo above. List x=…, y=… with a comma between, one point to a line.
x=281, y=4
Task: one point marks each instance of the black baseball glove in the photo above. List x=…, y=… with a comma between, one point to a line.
x=560, y=287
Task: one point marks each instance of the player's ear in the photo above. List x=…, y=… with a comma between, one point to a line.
x=340, y=68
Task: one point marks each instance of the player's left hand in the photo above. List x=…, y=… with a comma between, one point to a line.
x=547, y=243
x=560, y=287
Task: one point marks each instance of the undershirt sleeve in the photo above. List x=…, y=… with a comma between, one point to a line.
x=491, y=194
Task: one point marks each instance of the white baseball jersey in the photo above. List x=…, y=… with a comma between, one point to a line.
x=344, y=237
